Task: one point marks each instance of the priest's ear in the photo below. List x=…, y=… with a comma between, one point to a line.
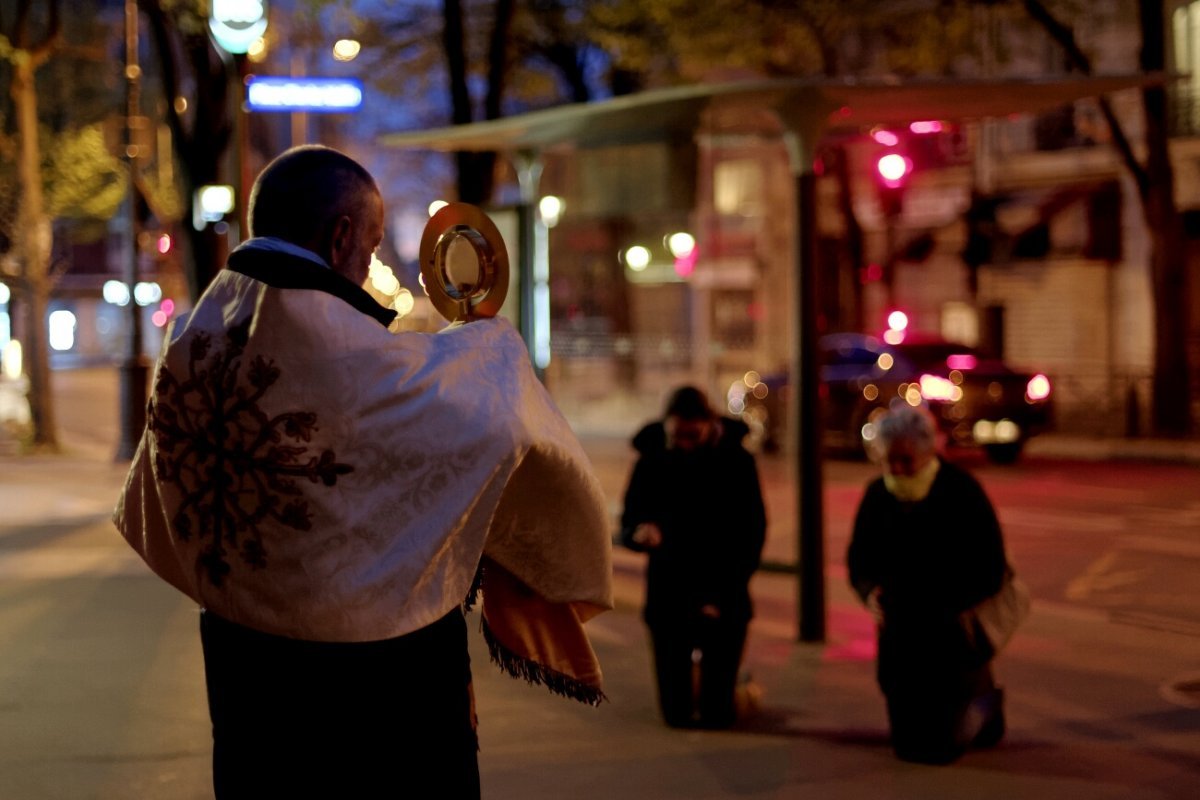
x=342, y=243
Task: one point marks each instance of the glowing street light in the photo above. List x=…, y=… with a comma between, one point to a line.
x=681, y=244
x=11, y=358
x=237, y=24
x=61, y=326
x=212, y=202
x=551, y=209
x=257, y=52
x=404, y=302
x=115, y=292
x=147, y=293
x=346, y=49
x=637, y=258
x=893, y=168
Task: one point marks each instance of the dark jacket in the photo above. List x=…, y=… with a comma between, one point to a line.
x=709, y=506
x=932, y=560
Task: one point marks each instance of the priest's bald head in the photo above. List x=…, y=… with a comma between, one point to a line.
x=323, y=200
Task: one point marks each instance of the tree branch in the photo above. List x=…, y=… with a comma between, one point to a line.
x=1079, y=60
x=21, y=26
x=825, y=45
x=498, y=58
x=456, y=61
x=170, y=74
x=41, y=54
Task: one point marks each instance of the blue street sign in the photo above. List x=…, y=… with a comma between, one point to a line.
x=303, y=94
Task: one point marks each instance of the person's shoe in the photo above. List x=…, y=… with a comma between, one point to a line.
x=747, y=697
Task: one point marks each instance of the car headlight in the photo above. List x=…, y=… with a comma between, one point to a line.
x=985, y=431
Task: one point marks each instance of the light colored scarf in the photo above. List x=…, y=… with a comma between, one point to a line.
x=912, y=488
x=306, y=473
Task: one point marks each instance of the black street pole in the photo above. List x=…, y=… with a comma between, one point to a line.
x=529, y=174
x=889, y=258
x=242, y=156
x=801, y=130
x=811, y=518
x=133, y=370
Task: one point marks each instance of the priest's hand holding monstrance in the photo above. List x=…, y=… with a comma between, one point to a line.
x=464, y=264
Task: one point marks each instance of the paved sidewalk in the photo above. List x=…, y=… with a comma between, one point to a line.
x=1092, y=448
x=1084, y=722
x=1098, y=709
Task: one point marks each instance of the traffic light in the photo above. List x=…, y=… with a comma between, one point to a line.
x=892, y=170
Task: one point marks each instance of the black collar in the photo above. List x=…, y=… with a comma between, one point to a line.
x=286, y=271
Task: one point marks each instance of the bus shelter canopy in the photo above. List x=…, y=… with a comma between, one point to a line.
x=806, y=107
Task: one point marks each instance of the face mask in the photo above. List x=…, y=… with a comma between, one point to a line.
x=912, y=488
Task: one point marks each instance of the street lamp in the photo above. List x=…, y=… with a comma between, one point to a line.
x=637, y=258
x=550, y=209
x=346, y=49
x=236, y=25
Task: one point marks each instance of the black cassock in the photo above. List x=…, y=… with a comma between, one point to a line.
x=932, y=560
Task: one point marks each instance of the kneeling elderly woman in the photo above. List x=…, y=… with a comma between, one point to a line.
x=926, y=548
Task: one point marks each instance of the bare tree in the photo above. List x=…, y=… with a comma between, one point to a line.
x=476, y=171
x=196, y=85
x=523, y=55
x=1155, y=181
x=28, y=43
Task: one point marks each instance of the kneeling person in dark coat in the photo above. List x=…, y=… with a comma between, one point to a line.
x=695, y=506
x=927, y=547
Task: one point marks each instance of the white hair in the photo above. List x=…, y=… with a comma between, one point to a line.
x=913, y=424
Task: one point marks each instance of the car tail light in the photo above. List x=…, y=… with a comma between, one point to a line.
x=1037, y=389
x=961, y=361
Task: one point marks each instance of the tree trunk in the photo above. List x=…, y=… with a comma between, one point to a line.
x=455, y=49
x=481, y=183
x=475, y=171
x=200, y=146
x=33, y=245
x=1172, y=377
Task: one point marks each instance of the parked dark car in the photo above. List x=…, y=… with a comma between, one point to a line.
x=979, y=402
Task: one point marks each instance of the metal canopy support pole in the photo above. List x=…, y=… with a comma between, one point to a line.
x=529, y=174
x=801, y=131
x=133, y=369
x=241, y=116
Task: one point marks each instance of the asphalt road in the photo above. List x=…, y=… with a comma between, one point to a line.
x=1117, y=537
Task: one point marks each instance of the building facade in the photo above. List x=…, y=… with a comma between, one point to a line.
x=1023, y=236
